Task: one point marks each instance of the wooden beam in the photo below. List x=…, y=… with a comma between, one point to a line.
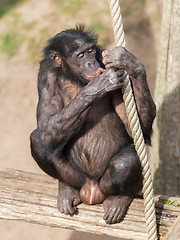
x=32, y=198
x=174, y=231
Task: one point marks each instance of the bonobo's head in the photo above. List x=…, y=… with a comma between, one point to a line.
x=75, y=52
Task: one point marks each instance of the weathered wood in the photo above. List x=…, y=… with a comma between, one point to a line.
x=174, y=231
x=32, y=198
x=165, y=154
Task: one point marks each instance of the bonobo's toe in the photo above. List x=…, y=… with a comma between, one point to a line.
x=115, y=207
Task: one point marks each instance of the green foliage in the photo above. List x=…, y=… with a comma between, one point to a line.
x=10, y=42
x=171, y=203
x=33, y=35
x=6, y=5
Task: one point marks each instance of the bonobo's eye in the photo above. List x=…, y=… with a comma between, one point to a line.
x=91, y=50
x=80, y=55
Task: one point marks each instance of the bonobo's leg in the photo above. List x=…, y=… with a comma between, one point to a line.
x=120, y=182
x=54, y=163
x=40, y=154
x=58, y=166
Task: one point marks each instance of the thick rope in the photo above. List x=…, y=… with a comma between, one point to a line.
x=135, y=126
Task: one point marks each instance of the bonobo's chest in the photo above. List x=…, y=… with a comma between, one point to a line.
x=100, y=137
x=100, y=109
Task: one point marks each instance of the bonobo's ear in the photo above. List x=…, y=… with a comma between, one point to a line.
x=55, y=57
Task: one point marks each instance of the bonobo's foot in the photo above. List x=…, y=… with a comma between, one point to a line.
x=68, y=199
x=90, y=192
x=115, y=207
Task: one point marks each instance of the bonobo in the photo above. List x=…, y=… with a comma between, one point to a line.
x=83, y=137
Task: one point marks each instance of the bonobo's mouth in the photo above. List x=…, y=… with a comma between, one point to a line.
x=96, y=73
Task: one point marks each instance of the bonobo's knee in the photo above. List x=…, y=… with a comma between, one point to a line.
x=127, y=170
x=41, y=154
x=124, y=175
x=126, y=161
x=36, y=144
x=34, y=136
x=37, y=148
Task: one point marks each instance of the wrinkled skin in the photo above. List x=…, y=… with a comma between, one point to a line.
x=83, y=137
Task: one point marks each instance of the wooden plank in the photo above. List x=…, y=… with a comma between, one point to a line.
x=32, y=198
x=164, y=157
x=174, y=231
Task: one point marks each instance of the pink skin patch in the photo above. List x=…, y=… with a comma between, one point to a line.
x=90, y=193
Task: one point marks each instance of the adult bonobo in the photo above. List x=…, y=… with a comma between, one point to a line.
x=83, y=137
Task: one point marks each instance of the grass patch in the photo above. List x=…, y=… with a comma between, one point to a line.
x=10, y=42
x=7, y=5
x=171, y=203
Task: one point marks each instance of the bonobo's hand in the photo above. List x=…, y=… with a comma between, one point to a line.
x=108, y=81
x=120, y=58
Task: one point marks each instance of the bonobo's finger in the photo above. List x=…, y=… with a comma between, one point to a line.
x=65, y=210
x=60, y=207
x=117, y=216
x=99, y=71
x=111, y=213
x=71, y=210
x=110, y=65
x=113, y=64
x=107, y=60
x=114, y=51
x=107, y=213
x=121, y=212
x=106, y=53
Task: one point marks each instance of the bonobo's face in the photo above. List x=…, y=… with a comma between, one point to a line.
x=82, y=59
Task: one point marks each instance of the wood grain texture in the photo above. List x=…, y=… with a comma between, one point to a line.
x=32, y=198
x=174, y=231
x=165, y=155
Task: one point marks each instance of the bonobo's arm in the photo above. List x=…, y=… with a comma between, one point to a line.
x=120, y=58
x=58, y=123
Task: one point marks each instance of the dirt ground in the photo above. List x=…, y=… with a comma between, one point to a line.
x=18, y=97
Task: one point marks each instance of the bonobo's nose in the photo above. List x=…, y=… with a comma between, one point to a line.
x=92, y=64
x=89, y=64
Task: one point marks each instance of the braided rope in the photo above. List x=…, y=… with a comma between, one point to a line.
x=135, y=126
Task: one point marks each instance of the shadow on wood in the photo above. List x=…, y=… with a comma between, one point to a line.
x=32, y=198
